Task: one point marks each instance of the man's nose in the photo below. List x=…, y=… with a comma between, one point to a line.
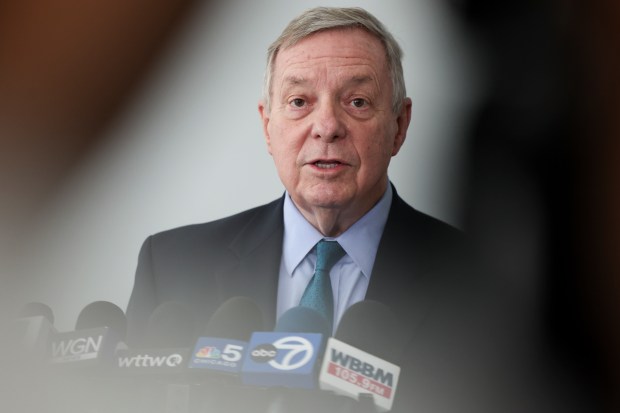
x=328, y=122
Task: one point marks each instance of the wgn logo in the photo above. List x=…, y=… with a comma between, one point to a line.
x=287, y=353
x=75, y=349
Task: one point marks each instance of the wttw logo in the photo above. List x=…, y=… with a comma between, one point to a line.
x=148, y=361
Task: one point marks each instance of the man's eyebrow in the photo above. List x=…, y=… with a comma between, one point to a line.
x=298, y=80
x=356, y=80
x=362, y=80
x=294, y=80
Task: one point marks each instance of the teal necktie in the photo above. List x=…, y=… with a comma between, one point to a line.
x=318, y=294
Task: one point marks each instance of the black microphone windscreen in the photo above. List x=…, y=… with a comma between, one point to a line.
x=37, y=309
x=373, y=327
x=103, y=314
x=172, y=324
x=236, y=319
x=302, y=320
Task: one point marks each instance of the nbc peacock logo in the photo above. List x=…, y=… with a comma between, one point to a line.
x=209, y=352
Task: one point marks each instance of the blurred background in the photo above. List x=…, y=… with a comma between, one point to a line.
x=121, y=119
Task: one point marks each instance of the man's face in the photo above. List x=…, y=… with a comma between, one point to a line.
x=331, y=129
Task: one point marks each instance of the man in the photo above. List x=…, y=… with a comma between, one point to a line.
x=334, y=112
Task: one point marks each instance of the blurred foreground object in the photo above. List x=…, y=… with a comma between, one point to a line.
x=66, y=69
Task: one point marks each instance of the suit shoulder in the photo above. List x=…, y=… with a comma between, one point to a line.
x=218, y=232
x=407, y=218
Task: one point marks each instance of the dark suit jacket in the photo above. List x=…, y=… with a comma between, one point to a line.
x=416, y=272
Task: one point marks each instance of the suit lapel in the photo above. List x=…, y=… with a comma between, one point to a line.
x=258, y=250
x=403, y=275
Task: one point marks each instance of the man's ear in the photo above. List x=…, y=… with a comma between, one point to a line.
x=264, y=116
x=402, y=121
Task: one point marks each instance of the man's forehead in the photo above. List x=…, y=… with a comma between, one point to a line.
x=354, y=56
x=347, y=44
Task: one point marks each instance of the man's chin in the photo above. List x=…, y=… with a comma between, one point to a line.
x=325, y=200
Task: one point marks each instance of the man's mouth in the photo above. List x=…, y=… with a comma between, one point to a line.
x=327, y=164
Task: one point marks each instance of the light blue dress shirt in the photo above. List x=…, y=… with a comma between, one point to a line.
x=349, y=276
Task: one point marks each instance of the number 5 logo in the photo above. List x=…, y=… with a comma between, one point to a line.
x=232, y=353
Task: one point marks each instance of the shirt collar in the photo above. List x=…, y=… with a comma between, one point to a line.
x=360, y=241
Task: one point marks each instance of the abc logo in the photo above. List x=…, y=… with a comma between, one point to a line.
x=284, y=354
x=264, y=353
x=298, y=351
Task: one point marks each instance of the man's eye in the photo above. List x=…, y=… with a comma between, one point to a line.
x=298, y=102
x=358, y=103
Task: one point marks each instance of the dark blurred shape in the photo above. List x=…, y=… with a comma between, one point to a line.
x=543, y=192
x=103, y=314
x=172, y=324
x=302, y=320
x=236, y=319
x=373, y=327
x=37, y=309
x=597, y=34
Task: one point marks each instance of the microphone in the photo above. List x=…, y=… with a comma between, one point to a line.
x=359, y=360
x=84, y=360
x=167, y=338
x=23, y=358
x=226, y=338
x=100, y=327
x=35, y=309
x=306, y=399
x=374, y=328
x=158, y=364
x=215, y=363
x=31, y=331
x=102, y=314
x=302, y=320
x=288, y=356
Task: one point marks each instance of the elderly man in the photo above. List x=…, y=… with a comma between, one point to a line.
x=334, y=112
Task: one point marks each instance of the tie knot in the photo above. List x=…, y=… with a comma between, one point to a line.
x=328, y=253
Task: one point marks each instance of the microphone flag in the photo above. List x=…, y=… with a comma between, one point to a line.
x=350, y=371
